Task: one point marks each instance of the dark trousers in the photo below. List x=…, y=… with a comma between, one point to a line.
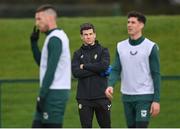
x=101, y=108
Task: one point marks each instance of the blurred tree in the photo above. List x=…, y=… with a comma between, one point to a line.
x=150, y=6
x=16, y=8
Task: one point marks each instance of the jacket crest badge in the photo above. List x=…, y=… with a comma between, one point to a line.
x=81, y=56
x=95, y=56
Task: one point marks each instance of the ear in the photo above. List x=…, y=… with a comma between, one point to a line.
x=94, y=35
x=81, y=36
x=142, y=25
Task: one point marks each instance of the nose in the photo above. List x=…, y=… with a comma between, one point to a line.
x=88, y=36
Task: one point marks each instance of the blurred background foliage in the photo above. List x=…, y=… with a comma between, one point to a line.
x=70, y=8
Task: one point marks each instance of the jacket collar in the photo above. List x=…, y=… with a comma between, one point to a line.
x=89, y=47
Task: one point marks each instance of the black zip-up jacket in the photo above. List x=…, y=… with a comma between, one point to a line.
x=96, y=59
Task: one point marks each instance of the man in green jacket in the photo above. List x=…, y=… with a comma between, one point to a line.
x=137, y=64
x=55, y=69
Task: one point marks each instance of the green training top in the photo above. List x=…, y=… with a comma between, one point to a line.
x=155, y=73
x=54, y=52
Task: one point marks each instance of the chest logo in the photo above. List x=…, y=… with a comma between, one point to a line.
x=80, y=106
x=95, y=56
x=81, y=56
x=133, y=53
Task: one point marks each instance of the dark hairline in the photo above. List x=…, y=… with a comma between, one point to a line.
x=140, y=17
x=87, y=26
x=45, y=7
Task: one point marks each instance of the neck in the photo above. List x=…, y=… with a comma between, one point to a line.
x=91, y=44
x=136, y=36
x=52, y=26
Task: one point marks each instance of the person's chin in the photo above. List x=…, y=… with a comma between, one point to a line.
x=43, y=31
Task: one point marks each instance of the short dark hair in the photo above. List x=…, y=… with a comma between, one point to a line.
x=140, y=17
x=46, y=7
x=86, y=26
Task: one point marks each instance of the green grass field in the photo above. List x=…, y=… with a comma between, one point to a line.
x=18, y=99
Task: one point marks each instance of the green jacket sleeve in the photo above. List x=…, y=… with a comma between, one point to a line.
x=54, y=53
x=116, y=70
x=36, y=52
x=154, y=62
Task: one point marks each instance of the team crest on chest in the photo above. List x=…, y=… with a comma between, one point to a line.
x=95, y=56
x=133, y=52
x=80, y=106
x=81, y=56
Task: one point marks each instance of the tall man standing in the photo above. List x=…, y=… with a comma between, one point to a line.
x=55, y=69
x=137, y=63
x=89, y=64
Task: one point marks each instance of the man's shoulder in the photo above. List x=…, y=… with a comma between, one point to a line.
x=102, y=48
x=78, y=51
x=56, y=32
x=123, y=42
x=59, y=34
x=149, y=41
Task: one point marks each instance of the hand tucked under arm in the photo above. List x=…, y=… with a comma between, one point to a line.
x=78, y=69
